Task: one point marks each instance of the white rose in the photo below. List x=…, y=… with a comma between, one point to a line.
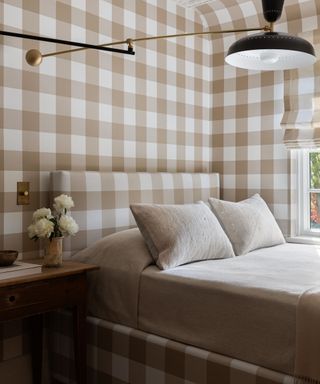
x=41, y=213
x=67, y=225
x=63, y=202
x=31, y=231
x=43, y=228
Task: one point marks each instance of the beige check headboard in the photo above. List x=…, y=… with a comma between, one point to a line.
x=102, y=199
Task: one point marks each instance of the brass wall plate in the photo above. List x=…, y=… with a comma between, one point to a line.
x=23, y=193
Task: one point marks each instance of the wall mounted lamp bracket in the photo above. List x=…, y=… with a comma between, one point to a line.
x=34, y=57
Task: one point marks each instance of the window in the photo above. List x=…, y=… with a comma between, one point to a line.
x=309, y=193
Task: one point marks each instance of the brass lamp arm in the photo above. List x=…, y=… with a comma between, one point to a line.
x=130, y=41
x=265, y=28
x=34, y=57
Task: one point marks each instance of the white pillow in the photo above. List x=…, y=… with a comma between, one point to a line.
x=249, y=224
x=180, y=234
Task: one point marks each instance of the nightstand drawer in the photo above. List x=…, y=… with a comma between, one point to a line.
x=42, y=295
x=35, y=294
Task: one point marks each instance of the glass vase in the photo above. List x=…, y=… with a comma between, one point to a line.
x=53, y=252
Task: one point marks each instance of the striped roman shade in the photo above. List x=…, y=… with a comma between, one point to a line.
x=301, y=119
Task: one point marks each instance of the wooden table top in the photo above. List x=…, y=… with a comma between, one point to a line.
x=66, y=269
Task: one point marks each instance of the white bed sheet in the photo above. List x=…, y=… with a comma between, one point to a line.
x=243, y=307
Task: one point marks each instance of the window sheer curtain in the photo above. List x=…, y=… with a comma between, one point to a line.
x=301, y=118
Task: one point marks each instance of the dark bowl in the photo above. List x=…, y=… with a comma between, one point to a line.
x=8, y=257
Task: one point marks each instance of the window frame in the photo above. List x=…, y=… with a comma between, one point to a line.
x=303, y=194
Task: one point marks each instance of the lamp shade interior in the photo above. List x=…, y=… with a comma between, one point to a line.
x=271, y=51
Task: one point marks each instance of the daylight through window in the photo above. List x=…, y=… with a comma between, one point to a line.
x=314, y=190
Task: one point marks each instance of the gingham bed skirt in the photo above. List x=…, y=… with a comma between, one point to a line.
x=119, y=354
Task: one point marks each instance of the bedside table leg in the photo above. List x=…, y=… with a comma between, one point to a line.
x=36, y=328
x=80, y=347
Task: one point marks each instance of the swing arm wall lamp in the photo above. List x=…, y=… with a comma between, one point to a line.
x=34, y=57
x=267, y=50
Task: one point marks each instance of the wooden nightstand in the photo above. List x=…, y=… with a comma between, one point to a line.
x=51, y=289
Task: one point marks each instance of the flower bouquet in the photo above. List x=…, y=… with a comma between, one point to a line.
x=53, y=226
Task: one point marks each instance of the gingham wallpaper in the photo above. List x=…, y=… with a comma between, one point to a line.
x=99, y=111
x=248, y=106
x=151, y=112
x=301, y=118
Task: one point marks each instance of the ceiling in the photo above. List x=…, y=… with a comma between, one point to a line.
x=191, y=3
x=237, y=13
x=196, y=3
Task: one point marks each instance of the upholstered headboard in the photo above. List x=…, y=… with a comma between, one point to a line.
x=102, y=199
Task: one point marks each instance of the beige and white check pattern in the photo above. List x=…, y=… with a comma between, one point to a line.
x=301, y=119
x=152, y=112
x=102, y=202
x=248, y=106
x=102, y=199
x=119, y=354
x=96, y=110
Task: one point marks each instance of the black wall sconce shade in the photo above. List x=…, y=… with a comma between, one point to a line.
x=271, y=50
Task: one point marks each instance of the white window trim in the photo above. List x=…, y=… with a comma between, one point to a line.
x=303, y=233
x=302, y=194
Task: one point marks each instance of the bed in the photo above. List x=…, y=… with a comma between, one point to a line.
x=140, y=344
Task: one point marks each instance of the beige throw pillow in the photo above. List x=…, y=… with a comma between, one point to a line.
x=180, y=234
x=249, y=224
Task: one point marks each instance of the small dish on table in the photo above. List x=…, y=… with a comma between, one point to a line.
x=8, y=257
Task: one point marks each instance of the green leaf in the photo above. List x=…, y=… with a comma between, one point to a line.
x=314, y=161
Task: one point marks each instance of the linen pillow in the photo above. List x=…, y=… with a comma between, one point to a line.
x=249, y=224
x=180, y=234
